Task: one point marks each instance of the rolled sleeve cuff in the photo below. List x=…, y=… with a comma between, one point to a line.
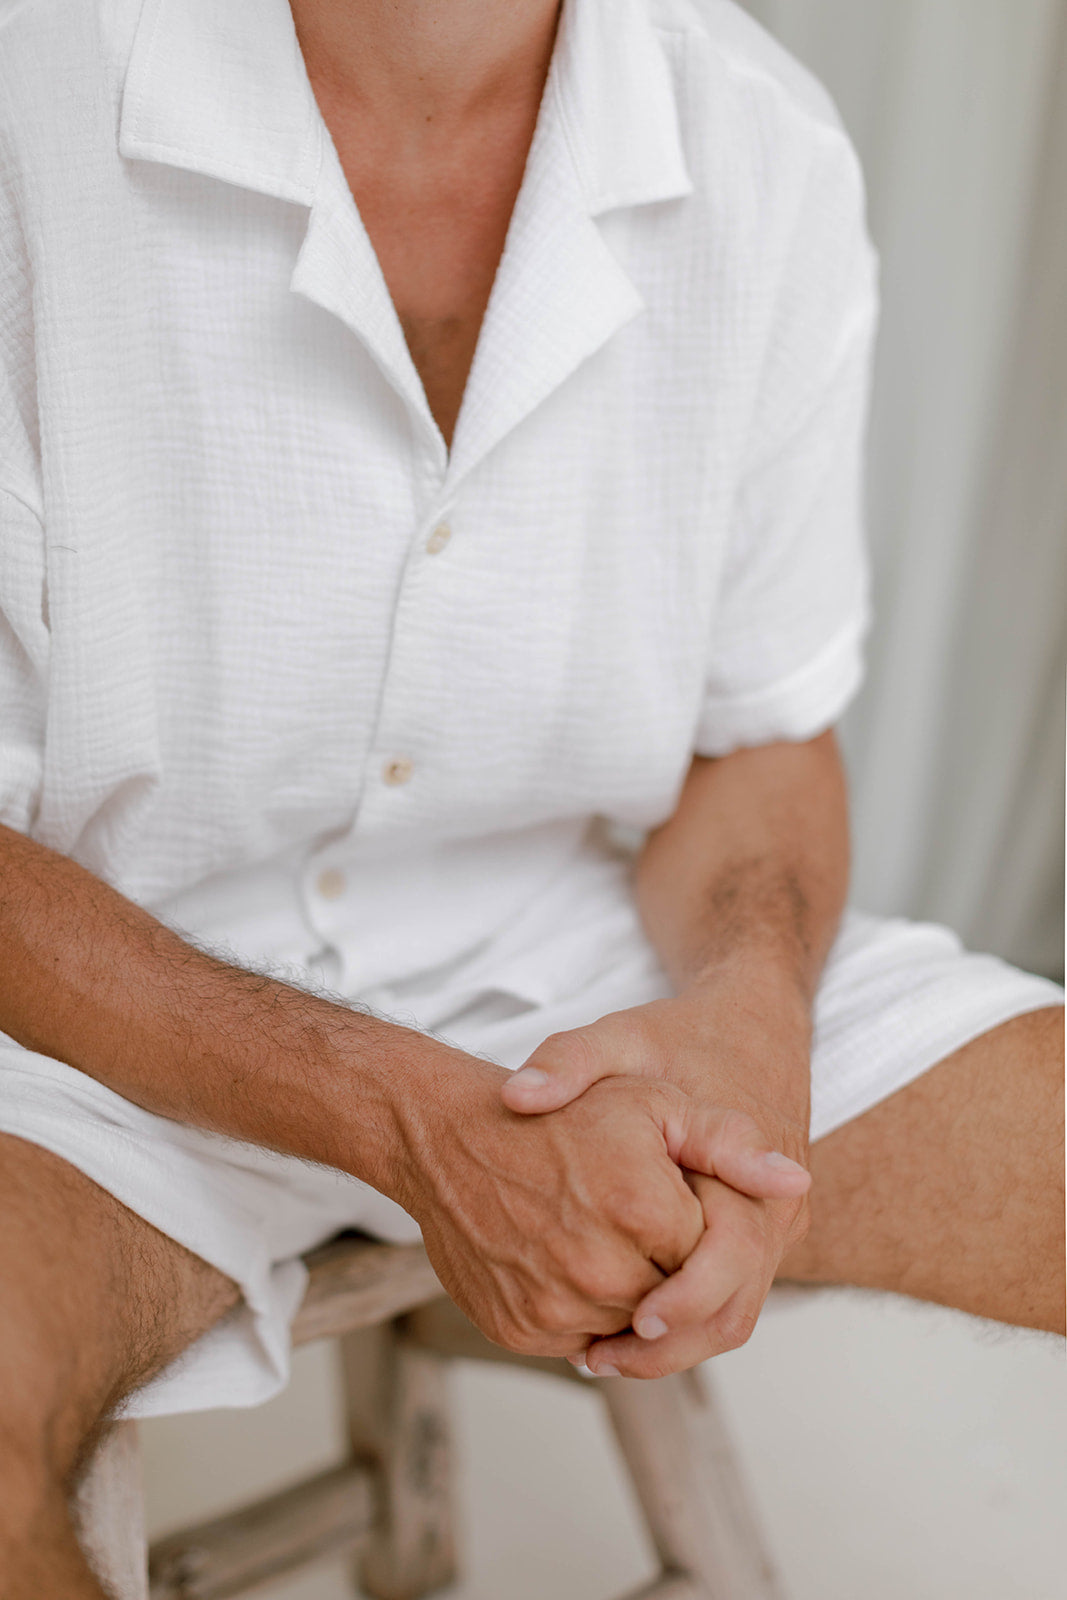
x=797, y=707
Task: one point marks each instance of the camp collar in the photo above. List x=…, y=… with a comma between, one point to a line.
x=221, y=89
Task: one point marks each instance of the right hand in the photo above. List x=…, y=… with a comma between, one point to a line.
x=548, y=1231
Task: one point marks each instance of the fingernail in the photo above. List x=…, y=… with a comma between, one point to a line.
x=532, y=1077
x=579, y=1366
x=781, y=1163
x=605, y=1371
x=650, y=1328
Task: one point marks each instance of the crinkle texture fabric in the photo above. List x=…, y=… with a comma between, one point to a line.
x=223, y=619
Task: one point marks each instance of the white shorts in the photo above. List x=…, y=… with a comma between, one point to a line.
x=896, y=998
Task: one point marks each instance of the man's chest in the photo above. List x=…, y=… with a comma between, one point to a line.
x=437, y=218
x=302, y=623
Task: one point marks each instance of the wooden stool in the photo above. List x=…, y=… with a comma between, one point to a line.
x=390, y=1503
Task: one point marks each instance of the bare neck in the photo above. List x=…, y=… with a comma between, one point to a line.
x=440, y=60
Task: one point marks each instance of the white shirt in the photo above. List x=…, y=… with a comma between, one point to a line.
x=269, y=655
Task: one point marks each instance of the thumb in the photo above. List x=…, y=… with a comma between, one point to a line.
x=559, y=1070
x=729, y=1145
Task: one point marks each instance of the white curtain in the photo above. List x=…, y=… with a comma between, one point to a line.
x=959, y=111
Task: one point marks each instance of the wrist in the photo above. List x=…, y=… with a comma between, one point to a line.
x=418, y=1099
x=759, y=988
x=749, y=1032
x=334, y=1092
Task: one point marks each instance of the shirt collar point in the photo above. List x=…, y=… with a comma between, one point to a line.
x=206, y=93
x=600, y=203
x=615, y=97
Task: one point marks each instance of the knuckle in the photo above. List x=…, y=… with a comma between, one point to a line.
x=601, y=1282
x=610, y=1280
x=663, y=1096
x=633, y=1212
x=738, y=1127
x=555, y=1314
x=572, y=1048
x=672, y=1222
x=500, y=1331
x=669, y=1100
x=752, y=1237
x=801, y=1225
x=735, y=1326
x=651, y=1364
x=511, y=1324
x=521, y=1341
x=658, y=1369
x=748, y=1227
x=499, y=1327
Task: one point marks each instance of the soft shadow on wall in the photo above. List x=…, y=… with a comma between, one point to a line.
x=958, y=109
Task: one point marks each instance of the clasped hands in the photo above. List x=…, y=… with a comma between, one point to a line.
x=625, y=1199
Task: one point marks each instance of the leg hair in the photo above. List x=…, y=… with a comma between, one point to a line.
x=952, y=1189
x=96, y=1301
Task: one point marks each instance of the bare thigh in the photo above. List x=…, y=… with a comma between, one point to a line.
x=952, y=1189
x=95, y=1302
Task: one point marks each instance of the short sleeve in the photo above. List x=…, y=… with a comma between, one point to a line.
x=24, y=642
x=788, y=629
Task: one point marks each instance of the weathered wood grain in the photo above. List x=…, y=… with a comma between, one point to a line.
x=671, y=1586
x=393, y=1500
x=398, y=1414
x=355, y=1283
x=689, y=1481
x=442, y=1327
x=232, y=1555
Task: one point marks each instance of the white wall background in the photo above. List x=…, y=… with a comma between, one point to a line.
x=897, y=1451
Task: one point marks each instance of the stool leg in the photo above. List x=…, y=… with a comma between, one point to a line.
x=398, y=1415
x=109, y=1507
x=689, y=1482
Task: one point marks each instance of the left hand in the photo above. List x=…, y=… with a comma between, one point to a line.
x=743, y=1053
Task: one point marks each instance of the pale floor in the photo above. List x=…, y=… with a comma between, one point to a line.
x=897, y=1452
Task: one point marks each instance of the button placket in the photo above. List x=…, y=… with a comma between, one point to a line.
x=397, y=770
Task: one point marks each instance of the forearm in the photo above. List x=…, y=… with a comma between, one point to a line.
x=751, y=871
x=741, y=893
x=93, y=980
x=546, y=1232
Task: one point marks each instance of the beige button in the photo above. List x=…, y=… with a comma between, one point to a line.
x=397, y=771
x=438, y=538
x=331, y=884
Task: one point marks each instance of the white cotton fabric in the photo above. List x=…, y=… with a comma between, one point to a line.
x=220, y=474
x=244, y=675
